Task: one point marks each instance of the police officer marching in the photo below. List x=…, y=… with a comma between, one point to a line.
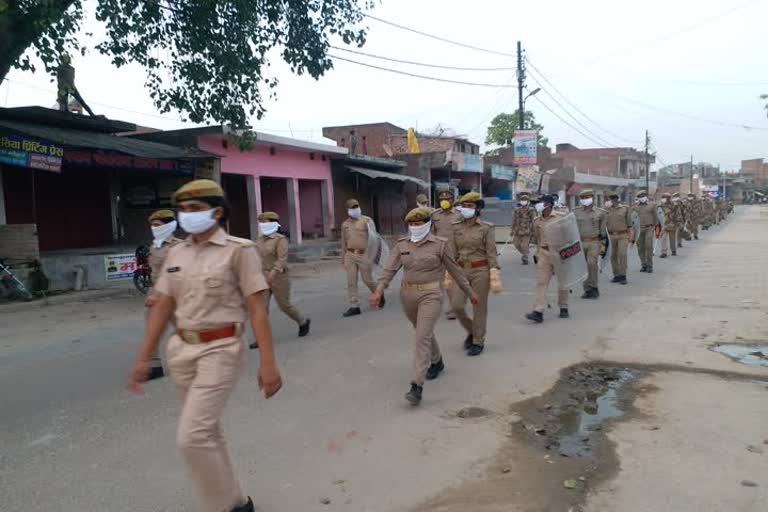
x=422, y=201
x=671, y=222
x=618, y=220
x=522, y=226
x=442, y=225
x=211, y=284
x=163, y=225
x=354, y=245
x=648, y=219
x=273, y=249
x=424, y=258
x=545, y=261
x=591, y=222
x=475, y=244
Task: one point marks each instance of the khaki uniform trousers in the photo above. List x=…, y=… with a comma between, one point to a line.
x=545, y=269
x=619, y=244
x=281, y=289
x=669, y=240
x=357, y=265
x=155, y=361
x=422, y=309
x=205, y=375
x=480, y=281
x=592, y=253
x=645, y=241
x=522, y=244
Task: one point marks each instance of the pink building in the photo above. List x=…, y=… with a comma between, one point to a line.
x=288, y=176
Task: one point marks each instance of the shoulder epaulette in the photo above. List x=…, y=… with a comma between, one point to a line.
x=241, y=241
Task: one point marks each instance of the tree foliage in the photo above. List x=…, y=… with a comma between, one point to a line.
x=208, y=59
x=501, y=131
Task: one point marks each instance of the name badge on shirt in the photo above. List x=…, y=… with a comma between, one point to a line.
x=173, y=269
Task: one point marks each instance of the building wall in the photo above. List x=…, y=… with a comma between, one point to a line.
x=18, y=242
x=399, y=144
x=310, y=197
x=377, y=135
x=617, y=162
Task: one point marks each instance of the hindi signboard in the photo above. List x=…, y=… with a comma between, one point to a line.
x=119, y=267
x=526, y=146
x=503, y=172
x=466, y=162
x=31, y=153
x=527, y=179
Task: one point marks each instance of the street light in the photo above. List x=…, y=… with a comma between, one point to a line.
x=521, y=120
x=532, y=93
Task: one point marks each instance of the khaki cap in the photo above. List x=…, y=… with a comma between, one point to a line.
x=421, y=198
x=197, y=189
x=676, y=194
x=352, y=203
x=268, y=217
x=162, y=215
x=418, y=214
x=445, y=194
x=524, y=197
x=666, y=194
x=642, y=193
x=470, y=197
x=587, y=193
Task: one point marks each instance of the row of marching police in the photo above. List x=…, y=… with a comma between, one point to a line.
x=209, y=285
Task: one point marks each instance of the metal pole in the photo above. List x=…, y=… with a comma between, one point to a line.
x=691, y=180
x=520, y=86
x=647, y=165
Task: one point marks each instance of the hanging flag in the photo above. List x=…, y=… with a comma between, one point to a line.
x=413, y=143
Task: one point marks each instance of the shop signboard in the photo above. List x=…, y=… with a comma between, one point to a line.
x=503, y=172
x=119, y=267
x=466, y=162
x=527, y=179
x=526, y=147
x=116, y=160
x=27, y=152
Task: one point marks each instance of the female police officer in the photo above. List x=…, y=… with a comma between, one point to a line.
x=163, y=225
x=211, y=283
x=425, y=258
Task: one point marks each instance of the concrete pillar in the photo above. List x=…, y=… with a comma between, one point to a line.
x=114, y=206
x=326, y=196
x=294, y=210
x=253, y=187
x=3, y=219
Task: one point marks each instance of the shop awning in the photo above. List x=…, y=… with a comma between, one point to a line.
x=370, y=173
x=101, y=141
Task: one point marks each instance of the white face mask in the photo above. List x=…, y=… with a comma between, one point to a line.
x=422, y=205
x=523, y=203
x=675, y=199
x=197, y=222
x=586, y=201
x=355, y=213
x=467, y=213
x=642, y=200
x=268, y=228
x=608, y=204
x=163, y=233
x=419, y=233
x=540, y=207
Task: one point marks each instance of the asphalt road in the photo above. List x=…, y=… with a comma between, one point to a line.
x=73, y=439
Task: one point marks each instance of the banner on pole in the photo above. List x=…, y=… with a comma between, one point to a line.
x=526, y=145
x=527, y=179
x=502, y=172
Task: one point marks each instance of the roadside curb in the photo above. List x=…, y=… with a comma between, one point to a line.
x=70, y=297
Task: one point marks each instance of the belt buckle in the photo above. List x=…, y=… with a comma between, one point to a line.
x=466, y=264
x=191, y=337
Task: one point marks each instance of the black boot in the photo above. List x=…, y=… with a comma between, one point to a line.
x=616, y=279
x=382, y=302
x=674, y=253
x=304, y=328
x=475, y=350
x=352, y=312
x=695, y=237
x=253, y=346
x=414, y=395
x=435, y=369
x=247, y=507
x=525, y=260
x=623, y=280
x=564, y=313
x=650, y=269
x=468, y=341
x=595, y=293
x=535, y=316
x=156, y=373
x=663, y=256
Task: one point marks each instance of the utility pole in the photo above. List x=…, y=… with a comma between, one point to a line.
x=520, y=86
x=647, y=164
x=691, y=180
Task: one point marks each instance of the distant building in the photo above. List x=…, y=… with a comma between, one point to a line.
x=757, y=170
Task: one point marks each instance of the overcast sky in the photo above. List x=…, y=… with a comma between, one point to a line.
x=625, y=65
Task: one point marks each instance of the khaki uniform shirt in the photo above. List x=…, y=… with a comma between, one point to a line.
x=522, y=221
x=618, y=218
x=423, y=262
x=646, y=213
x=157, y=255
x=210, y=281
x=591, y=222
x=354, y=233
x=442, y=222
x=475, y=241
x=273, y=250
x=539, y=225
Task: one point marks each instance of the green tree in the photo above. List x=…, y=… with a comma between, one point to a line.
x=208, y=59
x=501, y=131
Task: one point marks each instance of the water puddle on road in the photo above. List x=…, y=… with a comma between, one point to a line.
x=578, y=425
x=750, y=355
